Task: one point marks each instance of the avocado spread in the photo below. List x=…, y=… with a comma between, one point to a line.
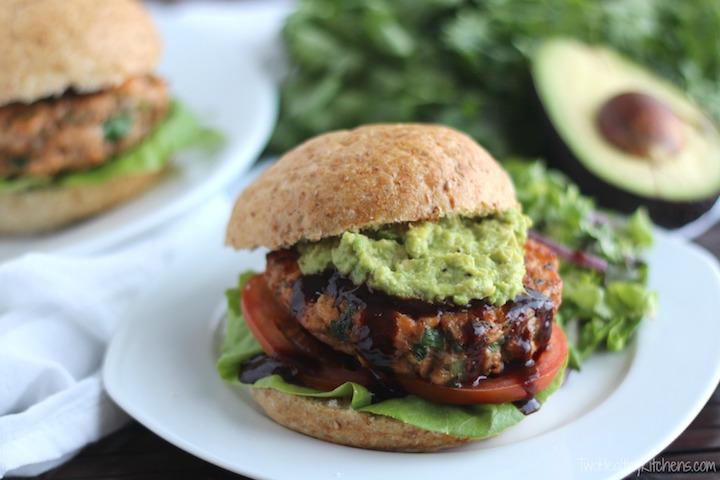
x=454, y=259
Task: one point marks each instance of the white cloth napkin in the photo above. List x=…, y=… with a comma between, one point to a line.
x=57, y=315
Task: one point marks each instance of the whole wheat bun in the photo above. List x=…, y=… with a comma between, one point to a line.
x=41, y=210
x=334, y=421
x=370, y=176
x=49, y=46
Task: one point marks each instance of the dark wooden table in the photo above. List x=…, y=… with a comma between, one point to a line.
x=136, y=453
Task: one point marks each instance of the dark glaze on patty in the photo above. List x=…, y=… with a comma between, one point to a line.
x=444, y=343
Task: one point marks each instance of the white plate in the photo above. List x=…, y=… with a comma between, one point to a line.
x=606, y=421
x=227, y=88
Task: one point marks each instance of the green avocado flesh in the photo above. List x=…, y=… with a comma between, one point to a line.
x=454, y=259
x=575, y=81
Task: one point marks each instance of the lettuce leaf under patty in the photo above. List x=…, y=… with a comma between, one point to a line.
x=178, y=131
x=474, y=421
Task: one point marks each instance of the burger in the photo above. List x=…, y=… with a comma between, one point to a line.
x=84, y=123
x=402, y=306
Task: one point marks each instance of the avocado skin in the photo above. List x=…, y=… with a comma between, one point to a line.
x=667, y=214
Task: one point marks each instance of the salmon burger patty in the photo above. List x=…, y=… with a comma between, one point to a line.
x=446, y=344
x=76, y=132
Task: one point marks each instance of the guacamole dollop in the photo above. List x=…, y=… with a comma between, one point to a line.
x=455, y=259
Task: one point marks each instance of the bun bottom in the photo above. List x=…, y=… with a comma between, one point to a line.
x=42, y=210
x=334, y=421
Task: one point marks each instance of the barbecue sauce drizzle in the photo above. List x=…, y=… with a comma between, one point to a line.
x=379, y=326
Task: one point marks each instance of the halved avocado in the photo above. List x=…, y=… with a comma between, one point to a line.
x=631, y=138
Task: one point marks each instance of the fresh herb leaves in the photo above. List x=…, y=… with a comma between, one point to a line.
x=432, y=338
x=116, y=128
x=340, y=328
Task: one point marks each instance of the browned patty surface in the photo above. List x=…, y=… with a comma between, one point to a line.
x=444, y=343
x=75, y=132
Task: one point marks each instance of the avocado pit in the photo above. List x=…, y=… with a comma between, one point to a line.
x=641, y=125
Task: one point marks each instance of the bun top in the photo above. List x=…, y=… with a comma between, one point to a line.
x=48, y=46
x=371, y=176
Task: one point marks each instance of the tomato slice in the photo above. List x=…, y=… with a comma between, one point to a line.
x=314, y=363
x=317, y=365
x=511, y=386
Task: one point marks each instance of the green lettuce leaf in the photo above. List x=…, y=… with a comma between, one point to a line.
x=478, y=421
x=178, y=131
x=239, y=344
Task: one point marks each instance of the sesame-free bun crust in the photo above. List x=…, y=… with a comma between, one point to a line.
x=49, y=46
x=370, y=176
x=334, y=421
x=41, y=210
